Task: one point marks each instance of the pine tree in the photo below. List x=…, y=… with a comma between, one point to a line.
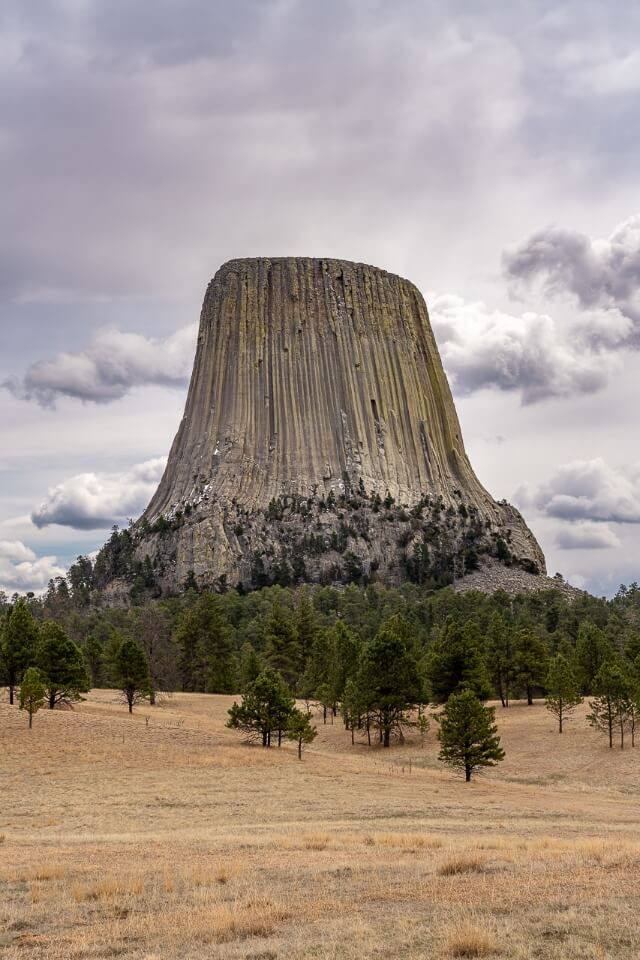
x=455, y=662
x=250, y=666
x=612, y=705
x=18, y=644
x=389, y=683
x=501, y=656
x=132, y=673
x=282, y=647
x=592, y=649
x=206, y=658
x=563, y=694
x=531, y=662
x=265, y=708
x=345, y=648
x=33, y=694
x=61, y=665
x=300, y=730
x=306, y=624
x=353, y=707
x=468, y=734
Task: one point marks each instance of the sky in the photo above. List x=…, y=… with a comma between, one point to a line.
x=487, y=151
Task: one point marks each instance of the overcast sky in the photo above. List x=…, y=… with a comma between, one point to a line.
x=487, y=151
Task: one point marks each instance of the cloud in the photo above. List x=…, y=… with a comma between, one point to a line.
x=21, y=570
x=600, y=273
x=529, y=353
x=94, y=501
x=112, y=365
x=586, y=535
x=587, y=490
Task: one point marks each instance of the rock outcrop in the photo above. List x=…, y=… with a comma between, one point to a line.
x=320, y=441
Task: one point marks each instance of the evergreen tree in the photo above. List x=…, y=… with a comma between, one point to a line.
x=17, y=644
x=501, y=656
x=300, y=730
x=203, y=637
x=282, y=647
x=132, y=673
x=592, y=649
x=250, y=666
x=612, y=705
x=265, y=708
x=354, y=708
x=316, y=676
x=306, y=623
x=33, y=695
x=455, y=662
x=531, y=662
x=94, y=656
x=563, y=694
x=468, y=734
x=388, y=680
x=61, y=665
x=345, y=648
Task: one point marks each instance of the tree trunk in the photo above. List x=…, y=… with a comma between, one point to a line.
x=12, y=688
x=324, y=714
x=529, y=696
x=152, y=697
x=387, y=736
x=467, y=772
x=300, y=749
x=30, y=719
x=610, y=732
x=52, y=700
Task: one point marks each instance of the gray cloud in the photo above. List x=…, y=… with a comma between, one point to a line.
x=587, y=535
x=587, y=490
x=94, y=501
x=112, y=365
x=598, y=273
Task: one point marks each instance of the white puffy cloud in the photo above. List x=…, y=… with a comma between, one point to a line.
x=599, y=273
x=586, y=535
x=113, y=364
x=93, y=501
x=21, y=570
x=529, y=353
x=588, y=490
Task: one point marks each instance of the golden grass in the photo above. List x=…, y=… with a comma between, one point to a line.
x=470, y=940
x=175, y=840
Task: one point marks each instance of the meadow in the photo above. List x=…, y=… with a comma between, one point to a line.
x=162, y=835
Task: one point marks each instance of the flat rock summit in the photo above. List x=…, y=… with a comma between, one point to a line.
x=320, y=442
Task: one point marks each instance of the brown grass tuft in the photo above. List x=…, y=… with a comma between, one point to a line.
x=470, y=941
x=462, y=863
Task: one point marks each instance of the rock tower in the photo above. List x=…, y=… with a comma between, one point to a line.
x=320, y=441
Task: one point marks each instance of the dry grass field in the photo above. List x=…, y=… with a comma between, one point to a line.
x=162, y=835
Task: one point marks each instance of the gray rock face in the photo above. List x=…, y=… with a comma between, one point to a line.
x=320, y=440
